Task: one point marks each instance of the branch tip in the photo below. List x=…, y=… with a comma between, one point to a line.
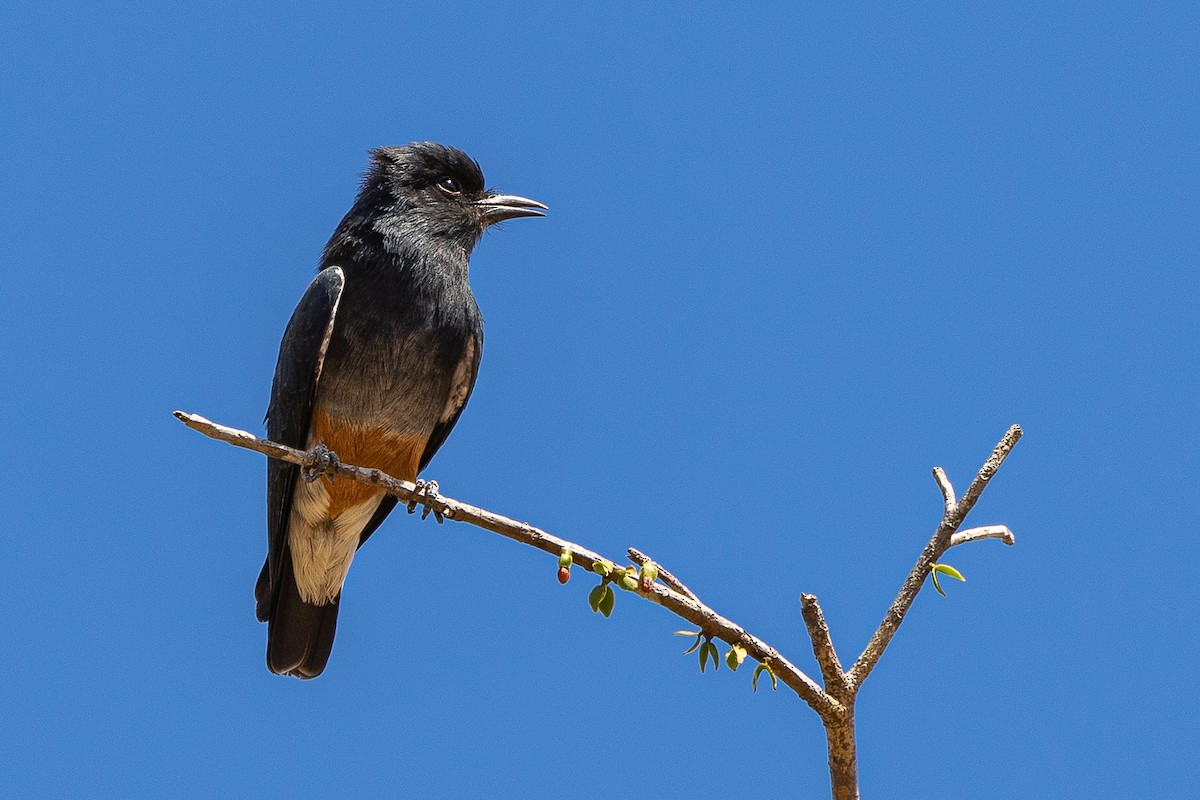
x=947, y=490
x=822, y=643
x=945, y=537
x=1000, y=532
x=640, y=558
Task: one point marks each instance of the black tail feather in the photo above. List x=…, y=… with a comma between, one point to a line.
x=262, y=593
x=299, y=634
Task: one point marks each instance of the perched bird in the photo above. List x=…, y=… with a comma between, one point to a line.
x=376, y=365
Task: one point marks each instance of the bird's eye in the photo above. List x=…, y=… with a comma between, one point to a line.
x=450, y=186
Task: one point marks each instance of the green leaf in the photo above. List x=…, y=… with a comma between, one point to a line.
x=564, y=558
x=628, y=581
x=607, y=601
x=760, y=669
x=602, y=568
x=703, y=656
x=596, y=595
x=648, y=575
x=695, y=644
x=944, y=569
x=735, y=657
x=716, y=658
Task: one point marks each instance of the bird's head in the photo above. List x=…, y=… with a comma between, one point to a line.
x=436, y=193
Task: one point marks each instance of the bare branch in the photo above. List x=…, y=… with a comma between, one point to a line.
x=843, y=757
x=929, y=556
x=682, y=605
x=943, y=483
x=729, y=632
x=834, y=703
x=986, y=472
x=1000, y=532
x=639, y=558
x=822, y=643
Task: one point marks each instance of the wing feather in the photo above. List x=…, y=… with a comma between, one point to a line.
x=293, y=393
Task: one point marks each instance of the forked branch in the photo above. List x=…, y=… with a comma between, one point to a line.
x=943, y=540
x=681, y=602
x=834, y=703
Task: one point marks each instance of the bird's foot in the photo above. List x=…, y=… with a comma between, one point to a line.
x=325, y=461
x=427, y=496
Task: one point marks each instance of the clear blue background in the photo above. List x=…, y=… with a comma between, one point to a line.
x=795, y=259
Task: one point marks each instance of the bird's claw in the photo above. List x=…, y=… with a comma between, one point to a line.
x=325, y=461
x=426, y=495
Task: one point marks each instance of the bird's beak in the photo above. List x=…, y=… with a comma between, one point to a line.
x=497, y=207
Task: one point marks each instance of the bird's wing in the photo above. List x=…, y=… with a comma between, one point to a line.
x=293, y=392
x=460, y=390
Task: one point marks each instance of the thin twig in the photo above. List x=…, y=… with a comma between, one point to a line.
x=682, y=605
x=944, y=484
x=938, y=545
x=639, y=558
x=987, y=471
x=835, y=703
x=822, y=643
x=1000, y=532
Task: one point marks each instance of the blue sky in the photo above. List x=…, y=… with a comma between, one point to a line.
x=795, y=258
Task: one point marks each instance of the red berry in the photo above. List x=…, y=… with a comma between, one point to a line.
x=564, y=574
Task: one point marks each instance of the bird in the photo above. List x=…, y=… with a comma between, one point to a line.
x=375, y=367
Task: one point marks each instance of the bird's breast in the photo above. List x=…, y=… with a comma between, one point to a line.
x=395, y=360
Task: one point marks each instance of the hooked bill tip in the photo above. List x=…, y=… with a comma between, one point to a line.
x=497, y=207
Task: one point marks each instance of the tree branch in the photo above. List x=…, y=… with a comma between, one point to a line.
x=1000, y=532
x=834, y=703
x=822, y=643
x=682, y=604
x=943, y=483
x=639, y=558
x=952, y=518
x=987, y=472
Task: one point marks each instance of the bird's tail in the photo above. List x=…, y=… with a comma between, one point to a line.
x=299, y=634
